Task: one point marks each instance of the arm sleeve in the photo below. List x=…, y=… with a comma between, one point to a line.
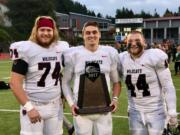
x=20, y=66
x=67, y=76
x=114, y=61
x=120, y=67
x=166, y=82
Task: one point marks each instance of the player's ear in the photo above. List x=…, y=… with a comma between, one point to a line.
x=143, y=41
x=143, y=38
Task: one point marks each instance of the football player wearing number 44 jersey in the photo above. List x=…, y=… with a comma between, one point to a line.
x=150, y=88
x=35, y=79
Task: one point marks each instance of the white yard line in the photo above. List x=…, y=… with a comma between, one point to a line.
x=6, y=78
x=9, y=110
x=122, y=87
x=66, y=113
x=5, y=61
x=115, y=116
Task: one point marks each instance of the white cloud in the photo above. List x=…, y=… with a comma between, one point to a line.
x=112, y=1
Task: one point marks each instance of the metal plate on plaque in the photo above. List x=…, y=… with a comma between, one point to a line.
x=93, y=91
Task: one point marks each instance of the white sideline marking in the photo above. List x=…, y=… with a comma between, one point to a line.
x=115, y=116
x=6, y=78
x=118, y=116
x=8, y=61
x=8, y=110
x=122, y=87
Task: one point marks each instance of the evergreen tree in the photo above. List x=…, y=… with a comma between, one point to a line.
x=124, y=13
x=22, y=13
x=178, y=13
x=168, y=13
x=60, y=6
x=156, y=14
x=66, y=6
x=111, y=18
x=99, y=15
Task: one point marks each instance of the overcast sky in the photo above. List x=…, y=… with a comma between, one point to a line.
x=108, y=7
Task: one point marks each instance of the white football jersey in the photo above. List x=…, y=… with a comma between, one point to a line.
x=147, y=78
x=44, y=65
x=76, y=59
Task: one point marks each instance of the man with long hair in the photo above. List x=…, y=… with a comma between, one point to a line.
x=34, y=81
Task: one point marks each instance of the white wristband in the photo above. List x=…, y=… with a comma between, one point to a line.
x=172, y=112
x=115, y=98
x=28, y=106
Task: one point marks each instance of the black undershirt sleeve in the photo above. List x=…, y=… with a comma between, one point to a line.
x=20, y=66
x=63, y=60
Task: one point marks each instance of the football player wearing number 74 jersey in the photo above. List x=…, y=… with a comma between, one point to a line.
x=151, y=93
x=35, y=79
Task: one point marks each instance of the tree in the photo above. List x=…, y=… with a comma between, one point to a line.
x=178, y=13
x=99, y=15
x=91, y=13
x=66, y=6
x=60, y=6
x=22, y=13
x=168, y=13
x=124, y=13
x=156, y=14
x=5, y=39
x=111, y=18
x=4, y=36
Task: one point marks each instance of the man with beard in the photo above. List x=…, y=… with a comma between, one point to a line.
x=34, y=81
x=151, y=93
x=91, y=67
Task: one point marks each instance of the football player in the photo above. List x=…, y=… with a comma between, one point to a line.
x=35, y=79
x=92, y=61
x=150, y=88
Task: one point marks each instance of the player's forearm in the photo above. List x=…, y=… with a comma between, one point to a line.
x=169, y=90
x=170, y=98
x=67, y=89
x=19, y=93
x=68, y=95
x=17, y=89
x=116, y=89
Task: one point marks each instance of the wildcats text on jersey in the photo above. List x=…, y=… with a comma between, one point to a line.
x=95, y=61
x=134, y=71
x=49, y=58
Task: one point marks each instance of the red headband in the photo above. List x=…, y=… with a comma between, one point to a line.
x=45, y=22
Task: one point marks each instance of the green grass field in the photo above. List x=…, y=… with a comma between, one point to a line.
x=9, y=115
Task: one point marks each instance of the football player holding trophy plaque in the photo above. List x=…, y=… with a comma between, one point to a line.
x=91, y=67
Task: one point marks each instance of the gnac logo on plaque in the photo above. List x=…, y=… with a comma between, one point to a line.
x=92, y=70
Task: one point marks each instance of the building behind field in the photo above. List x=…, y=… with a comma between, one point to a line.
x=154, y=29
x=157, y=29
x=71, y=24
